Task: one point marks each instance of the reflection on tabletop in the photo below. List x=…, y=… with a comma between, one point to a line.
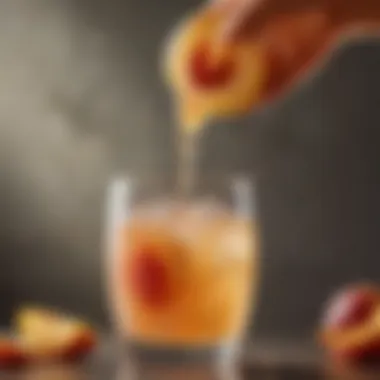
x=49, y=372
x=127, y=371
x=149, y=371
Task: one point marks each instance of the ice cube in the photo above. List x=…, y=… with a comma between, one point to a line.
x=235, y=242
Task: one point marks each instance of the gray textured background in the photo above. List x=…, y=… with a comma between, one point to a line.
x=80, y=98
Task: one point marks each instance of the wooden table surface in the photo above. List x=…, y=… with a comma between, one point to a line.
x=262, y=363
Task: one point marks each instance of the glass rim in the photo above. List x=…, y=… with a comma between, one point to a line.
x=203, y=178
x=239, y=189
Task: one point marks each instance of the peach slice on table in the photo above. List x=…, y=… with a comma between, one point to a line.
x=49, y=335
x=351, y=326
x=12, y=353
x=355, y=344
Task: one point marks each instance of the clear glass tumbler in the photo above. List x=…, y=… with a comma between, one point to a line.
x=182, y=273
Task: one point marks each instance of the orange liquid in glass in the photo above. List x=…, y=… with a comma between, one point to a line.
x=186, y=277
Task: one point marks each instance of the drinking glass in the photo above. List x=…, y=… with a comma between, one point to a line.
x=182, y=271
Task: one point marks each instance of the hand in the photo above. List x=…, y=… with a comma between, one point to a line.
x=292, y=34
x=296, y=34
x=243, y=16
x=249, y=17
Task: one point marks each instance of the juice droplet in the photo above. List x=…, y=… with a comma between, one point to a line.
x=149, y=279
x=209, y=70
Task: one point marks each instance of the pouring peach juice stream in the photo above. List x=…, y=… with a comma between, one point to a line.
x=182, y=277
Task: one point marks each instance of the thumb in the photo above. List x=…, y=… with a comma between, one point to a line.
x=242, y=16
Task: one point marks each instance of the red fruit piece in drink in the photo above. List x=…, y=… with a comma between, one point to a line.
x=50, y=335
x=150, y=280
x=210, y=69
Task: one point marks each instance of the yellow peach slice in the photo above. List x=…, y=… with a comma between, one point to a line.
x=50, y=335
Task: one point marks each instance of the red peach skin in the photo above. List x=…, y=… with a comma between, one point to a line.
x=84, y=343
x=11, y=353
x=351, y=325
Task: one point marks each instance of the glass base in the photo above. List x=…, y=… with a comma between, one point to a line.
x=167, y=354
x=152, y=362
